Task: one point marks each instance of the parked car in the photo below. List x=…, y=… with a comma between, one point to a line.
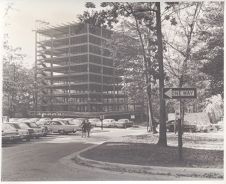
x=123, y=123
x=42, y=124
x=40, y=131
x=109, y=123
x=95, y=122
x=43, y=119
x=189, y=127
x=60, y=127
x=68, y=119
x=9, y=134
x=21, y=119
x=77, y=122
x=32, y=120
x=13, y=119
x=23, y=133
x=81, y=119
x=186, y=127
x=65, y=121
x=26, y=127
x=33, y=129
x=170, y=125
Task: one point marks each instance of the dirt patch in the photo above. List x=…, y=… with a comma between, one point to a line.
x=154, y=155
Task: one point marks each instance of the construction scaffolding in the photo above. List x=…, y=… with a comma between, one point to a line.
x=75, y=70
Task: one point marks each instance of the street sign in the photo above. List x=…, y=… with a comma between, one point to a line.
x=132, y=116
x=177, y=93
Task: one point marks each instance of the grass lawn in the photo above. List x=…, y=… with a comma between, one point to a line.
x=154, y=155
x=204, y=150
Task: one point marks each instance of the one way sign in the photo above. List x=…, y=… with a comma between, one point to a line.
x=177, y=93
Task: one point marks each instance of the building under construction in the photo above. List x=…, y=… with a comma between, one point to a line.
x=75, y=71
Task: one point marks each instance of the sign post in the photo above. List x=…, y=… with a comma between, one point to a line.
x=132, y=117
x=180, y=132
x=179, y=93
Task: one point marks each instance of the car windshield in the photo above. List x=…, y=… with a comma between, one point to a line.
x=123, y=120
x=15, y=126
x=94, y=120
x=108, y=120
x=46, y=122
x=8, y=127
x=32, y=125
x=81, y=119
x=76, y=122
x=22, y=125
x=65, y=122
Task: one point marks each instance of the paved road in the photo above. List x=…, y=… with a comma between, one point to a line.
x=41, y=160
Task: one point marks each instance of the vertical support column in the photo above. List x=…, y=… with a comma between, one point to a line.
x=51, y=80
x=107, y=101
x=125, y=102
x=127, y=105
x=36, y=87
x=102, y=71
x=88, y=69
x=117, y=98
x=114, y=104
x=69, y=68
x=126, y=98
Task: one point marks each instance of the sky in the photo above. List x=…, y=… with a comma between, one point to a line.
x=20, y=20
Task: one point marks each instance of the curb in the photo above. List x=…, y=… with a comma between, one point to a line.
x=208, y=173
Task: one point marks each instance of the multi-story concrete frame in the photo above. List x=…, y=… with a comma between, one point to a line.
x=76, y=70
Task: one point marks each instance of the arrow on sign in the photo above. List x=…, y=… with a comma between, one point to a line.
x=177, y=93
x=169, y=93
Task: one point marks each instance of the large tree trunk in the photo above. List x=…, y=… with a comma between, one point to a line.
x=162, y=133
x=147, y=81
x=151, y=122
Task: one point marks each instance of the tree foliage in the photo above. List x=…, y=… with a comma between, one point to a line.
x=215, y=108
x=17, y=82
x=186, y=26
x=211, y=53
x=147, y=24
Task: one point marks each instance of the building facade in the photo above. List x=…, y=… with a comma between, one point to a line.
x=75, y=70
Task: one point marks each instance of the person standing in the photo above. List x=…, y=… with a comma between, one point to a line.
x=88, y=127
x=83, y=125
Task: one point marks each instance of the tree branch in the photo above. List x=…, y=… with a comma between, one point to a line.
x=176, y=11
x=181, y=52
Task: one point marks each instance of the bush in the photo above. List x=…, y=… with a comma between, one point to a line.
x=214, y=106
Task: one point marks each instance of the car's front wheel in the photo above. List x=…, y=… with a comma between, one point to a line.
x=62, y=132
x=28, y=139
